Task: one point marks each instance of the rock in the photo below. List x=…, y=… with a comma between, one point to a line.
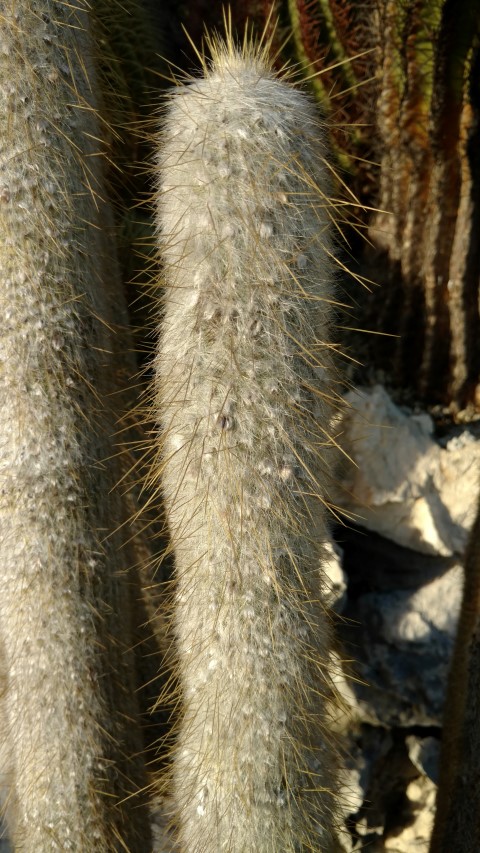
x=409, y=505
x=335, y=577
x=397, y=810
x=414, y=837
x=405, y=485
x=374, y=563
x=424, y=753
x=402, y=641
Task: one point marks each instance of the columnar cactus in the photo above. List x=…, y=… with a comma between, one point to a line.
x=457, y=825
x=68, y=709
x=243, y=396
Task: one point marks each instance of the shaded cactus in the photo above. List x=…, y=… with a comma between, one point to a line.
x=244, y=398
x=416, y=101
x=428, y=100
x=68, y=706
x=457, y=823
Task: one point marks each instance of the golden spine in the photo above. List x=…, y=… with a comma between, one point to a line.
x=68, y=706
x=243, y=398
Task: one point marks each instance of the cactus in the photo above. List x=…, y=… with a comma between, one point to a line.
x=243, y=396
x=457, y=825
x=68, y=706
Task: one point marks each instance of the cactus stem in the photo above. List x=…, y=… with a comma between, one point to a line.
x=244, y=380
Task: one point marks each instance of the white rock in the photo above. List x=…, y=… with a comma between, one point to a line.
x=435, y=606
x=424, y=753
x=420, y=794
x=402, y=642
x=335, y=578
x=405, y=486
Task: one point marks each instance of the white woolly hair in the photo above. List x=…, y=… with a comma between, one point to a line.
x=245, y=396
x=64, y=626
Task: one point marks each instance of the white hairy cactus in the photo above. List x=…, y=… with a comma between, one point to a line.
x=243, y=397
x=67, y=700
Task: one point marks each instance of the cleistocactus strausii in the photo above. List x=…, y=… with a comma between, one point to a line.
x=68, y=703
x=244, y=398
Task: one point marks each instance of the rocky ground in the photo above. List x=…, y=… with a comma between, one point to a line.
x=410, y=502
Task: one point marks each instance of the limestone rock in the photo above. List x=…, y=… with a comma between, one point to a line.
x=402, y=641
x=424, y=753
x=405, y=485
x=414, y=837
x=334, y=576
